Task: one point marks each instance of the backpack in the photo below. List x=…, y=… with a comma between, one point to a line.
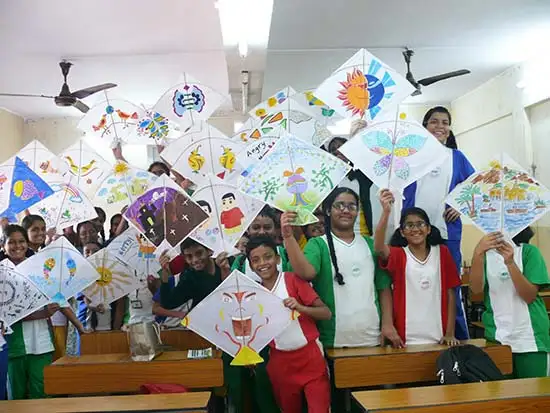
x=466, y=364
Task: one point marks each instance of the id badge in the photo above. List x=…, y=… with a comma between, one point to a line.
x=136, y=304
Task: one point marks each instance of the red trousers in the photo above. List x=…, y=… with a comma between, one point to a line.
x=297, y=373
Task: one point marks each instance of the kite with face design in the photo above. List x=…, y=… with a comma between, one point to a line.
x=241, y=317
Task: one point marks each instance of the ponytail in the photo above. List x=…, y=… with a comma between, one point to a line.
x=328, y=232
x=451, y=141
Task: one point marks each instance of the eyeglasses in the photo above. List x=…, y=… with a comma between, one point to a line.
x=409, y=226
x=342, y=206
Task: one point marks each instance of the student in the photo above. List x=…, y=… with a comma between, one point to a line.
x=140, y=308
x=424, y=277
x=87, y=233
x=263, y=224
x=430, y=192
x=30, y=346
x=200, y=278
x=344, y=271
x=36, y=233
x=296, y=366
x=170, y=319
x=159, y=168
x=511, y=277
x=99, y=223
x=113, y=225
x=317, y=229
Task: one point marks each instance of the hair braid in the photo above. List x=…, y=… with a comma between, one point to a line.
x=328, y=232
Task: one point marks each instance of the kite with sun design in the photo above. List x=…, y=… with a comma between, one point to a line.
x=363, y=87
x=116, y=278
x=241, y=317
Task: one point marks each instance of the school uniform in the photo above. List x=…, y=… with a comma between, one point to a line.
x=30, y=349
x=509, y=320
x=192, y=285
x=361, y=225
x=172, y=322
x=355, y=306
x=141, y=306
x=239, y=380
x=429, y=193
x=241, y=263
x=297, y=365
x=420, y=293
x=3, y=367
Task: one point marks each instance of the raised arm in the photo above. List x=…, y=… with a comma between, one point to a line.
x=71, y=316
x=171, y=297
x=298, y=260
x=380, y=247
x=477, y=270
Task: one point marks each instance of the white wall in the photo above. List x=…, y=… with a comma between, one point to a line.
x=499, y=116
x=11, y=134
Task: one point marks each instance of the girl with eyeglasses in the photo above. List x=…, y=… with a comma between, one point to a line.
x=424, y=277
x=344, y=271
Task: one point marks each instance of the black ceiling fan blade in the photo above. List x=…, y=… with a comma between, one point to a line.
x=433, y=79
x=17, y=95
x=83, y=93
x=81, y=106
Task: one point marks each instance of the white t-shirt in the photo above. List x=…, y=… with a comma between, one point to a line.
x=356, y=296
x=423, y=298
x=141, y=306
x=36, y=334
x=432, y=190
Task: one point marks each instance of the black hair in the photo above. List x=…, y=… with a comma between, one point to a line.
x=433, y=238
x=161, y=165
x=102, y=217
x=327, y=206
x=268, y=212
x=524, y=236
x=112, y=233
x=27, y=222
x=229, y=195
x=190, y=243
x=365, y=185
x=206, y=204
x=451, y=140
x=13, y=229
x=259, y=241
x=79, y=226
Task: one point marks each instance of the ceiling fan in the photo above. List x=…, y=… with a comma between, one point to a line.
x=408, y=54
x=66, y=97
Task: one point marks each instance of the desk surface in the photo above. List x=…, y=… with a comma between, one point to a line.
x=455, y=397
x=189, y=402
x=117, y=373
x=376, y=366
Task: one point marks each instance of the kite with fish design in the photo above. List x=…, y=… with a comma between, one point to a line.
x=20, y=188
x=19, y=297
x=394, y=154
x=241, y=317
x=59, y=271
x=116, y=278
x=164, y=212
x=363, y=87
x=42, y=161
x=502, y=197
x=294, y=176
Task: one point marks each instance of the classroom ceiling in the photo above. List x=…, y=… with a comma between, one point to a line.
x=143, y=46
x=311, y=38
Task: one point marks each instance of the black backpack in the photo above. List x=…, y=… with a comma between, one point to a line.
x=466, y=364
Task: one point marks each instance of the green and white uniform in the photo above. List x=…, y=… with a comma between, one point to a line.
x=30, y=349
x=355, y=307
x=241, y=263
x=509, y=320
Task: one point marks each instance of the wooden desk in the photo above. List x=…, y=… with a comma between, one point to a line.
x=110, y=342
x=188, y=402
x=117, y=373
x=376, y=366
x=526, y=395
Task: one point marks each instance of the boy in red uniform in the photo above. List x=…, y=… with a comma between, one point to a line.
x=296, y=364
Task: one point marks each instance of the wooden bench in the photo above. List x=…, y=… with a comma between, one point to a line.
x=182, y=402
x=376, y=366
x=526, y=395
x=117, y=373
x=110, y=342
